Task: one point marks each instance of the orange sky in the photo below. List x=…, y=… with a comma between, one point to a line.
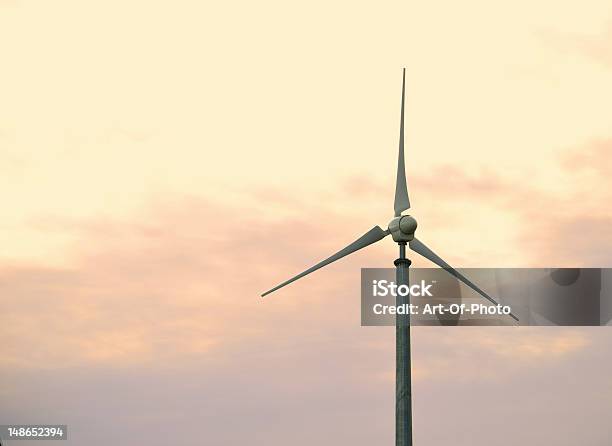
x=146, y=148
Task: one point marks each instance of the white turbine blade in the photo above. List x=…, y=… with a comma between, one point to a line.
x=372, y=236
x=401, y=189
x=420, y=248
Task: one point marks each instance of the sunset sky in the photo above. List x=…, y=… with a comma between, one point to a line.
x=163, y=163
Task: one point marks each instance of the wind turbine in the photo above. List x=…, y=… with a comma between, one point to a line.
x=401, y=228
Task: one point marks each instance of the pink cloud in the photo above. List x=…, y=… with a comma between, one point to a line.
x=168, y=306
x=596, y=46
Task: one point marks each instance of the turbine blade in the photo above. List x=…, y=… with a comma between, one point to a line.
x=372, y=236
x=420, y=248
x=401, y=189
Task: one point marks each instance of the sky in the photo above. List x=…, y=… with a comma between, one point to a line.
x=163, y=163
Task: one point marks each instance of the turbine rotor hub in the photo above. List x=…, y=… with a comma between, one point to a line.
x=402, y=228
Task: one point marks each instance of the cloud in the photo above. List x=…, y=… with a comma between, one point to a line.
x=182, y=281
x=178, y=284
x=448, y=180
x=593, y=157
x=569, y=226
x=159, y=318
x=596, y=46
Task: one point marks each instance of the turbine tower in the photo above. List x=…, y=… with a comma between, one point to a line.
x=401, y=228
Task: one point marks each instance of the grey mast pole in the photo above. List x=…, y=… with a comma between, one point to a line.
x=403, y=378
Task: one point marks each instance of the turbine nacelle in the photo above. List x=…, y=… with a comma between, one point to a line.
x=402, y=228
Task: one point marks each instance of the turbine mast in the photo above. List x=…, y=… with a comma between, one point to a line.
x=403, y=362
